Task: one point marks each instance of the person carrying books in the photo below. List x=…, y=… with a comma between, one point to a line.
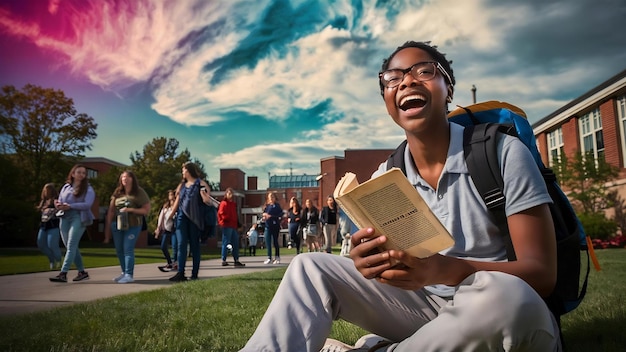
x=467, y=297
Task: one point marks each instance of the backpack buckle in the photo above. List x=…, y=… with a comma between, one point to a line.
x=494, y=199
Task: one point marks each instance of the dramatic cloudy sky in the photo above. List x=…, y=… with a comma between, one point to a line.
x=274, y=86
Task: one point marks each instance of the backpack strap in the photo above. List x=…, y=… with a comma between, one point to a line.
x=396, y=159
x=481, y=156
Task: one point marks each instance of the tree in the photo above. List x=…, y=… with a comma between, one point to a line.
x=585, y=178
x=41, y=128
x=158, y=170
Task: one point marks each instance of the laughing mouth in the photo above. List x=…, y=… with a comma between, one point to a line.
x=412, y=101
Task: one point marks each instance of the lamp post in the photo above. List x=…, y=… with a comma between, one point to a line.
x=474, y=93
x=320, y=179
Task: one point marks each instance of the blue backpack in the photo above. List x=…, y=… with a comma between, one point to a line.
x=482, y=122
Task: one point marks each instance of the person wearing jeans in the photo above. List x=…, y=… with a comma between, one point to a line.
x=74, y=205
x=49, y=233
x=272, y=214
x=191, y=192
x=129, y=204
x=228, y=220
x=165, y=228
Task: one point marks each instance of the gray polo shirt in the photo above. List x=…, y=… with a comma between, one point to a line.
x=459, y=207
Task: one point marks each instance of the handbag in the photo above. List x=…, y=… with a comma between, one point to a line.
x=48, y=214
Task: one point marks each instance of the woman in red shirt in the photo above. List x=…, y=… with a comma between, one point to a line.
x=228, y=221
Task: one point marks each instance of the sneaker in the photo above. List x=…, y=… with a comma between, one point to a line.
x=193, y=278
x=82, y=275
x=165, y=268
x=370, y=340
x=239, y=264
x=62, y=277
x=276, y=261
x=126, y=279
x=224, y=263
x=332, y=345
x=117, y=279
x=179, y=277
x=267, y=261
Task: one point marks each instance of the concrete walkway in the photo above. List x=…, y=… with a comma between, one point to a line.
x=26, y=293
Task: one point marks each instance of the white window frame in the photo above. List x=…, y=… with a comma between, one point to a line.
x=620, y=106
x=590, y=128
x=555, y=145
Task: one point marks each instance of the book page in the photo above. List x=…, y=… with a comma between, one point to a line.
x=392, y=206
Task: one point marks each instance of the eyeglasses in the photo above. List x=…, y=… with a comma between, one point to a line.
x=421, y=71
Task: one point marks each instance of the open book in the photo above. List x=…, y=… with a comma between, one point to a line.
x=394, y=208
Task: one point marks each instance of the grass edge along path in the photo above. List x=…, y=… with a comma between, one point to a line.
x=220, y=315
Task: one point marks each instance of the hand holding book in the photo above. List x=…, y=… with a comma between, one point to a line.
x=392, y=206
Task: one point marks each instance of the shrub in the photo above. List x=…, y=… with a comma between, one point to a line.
x=597, y=226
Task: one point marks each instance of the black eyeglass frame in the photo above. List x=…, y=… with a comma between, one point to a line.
x=436, y=64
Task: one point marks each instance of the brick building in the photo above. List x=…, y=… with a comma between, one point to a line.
x=593, y=123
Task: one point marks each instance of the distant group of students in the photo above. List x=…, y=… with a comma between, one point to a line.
x=67, y=213
x=181, y=222
x=303, y=223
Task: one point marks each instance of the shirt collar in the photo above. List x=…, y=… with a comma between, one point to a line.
x=455, y=162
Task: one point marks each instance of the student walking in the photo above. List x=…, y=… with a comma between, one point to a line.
x=310, y=220
x=229, y=221
x=74, y=209
x=328, y=220
x=165, y=230
x=294, y=216
x=49, y=235
x=189, y=219
x=253, y=238
x=128, y=206
x=272, y=214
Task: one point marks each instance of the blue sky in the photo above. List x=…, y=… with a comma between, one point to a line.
x=274, y=86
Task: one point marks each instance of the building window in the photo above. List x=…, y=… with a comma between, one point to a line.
x=555, y=146
x=91, y=173
x=592, y=139
x=621, y=115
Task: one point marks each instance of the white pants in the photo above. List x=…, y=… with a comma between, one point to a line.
x=491, y=311
x=330, y=236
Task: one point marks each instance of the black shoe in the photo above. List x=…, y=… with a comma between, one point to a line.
x=193, y=277
x=82, y=275
x=179, y=277
x=224, y=263
x=62, y=277
x=239, y=264
x=165, y=268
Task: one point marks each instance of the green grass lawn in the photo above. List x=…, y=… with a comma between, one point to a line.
x=220, y=315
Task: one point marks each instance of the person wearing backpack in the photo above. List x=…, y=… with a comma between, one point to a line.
x=189, y=219
x=468, y=297
x=166, y=230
